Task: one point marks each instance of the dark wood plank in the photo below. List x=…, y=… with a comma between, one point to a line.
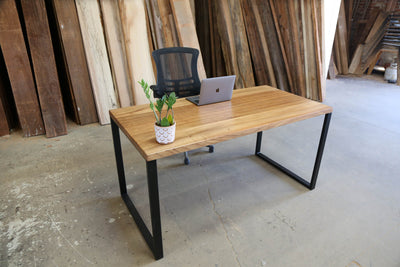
x=6, y=96
x=4, y=126
x=259, y=50
x=203, y=32
x=218, y=62
x=44, y=66
x=278, y=58
x=283, y=27
x=17, y=62
x=75, y=62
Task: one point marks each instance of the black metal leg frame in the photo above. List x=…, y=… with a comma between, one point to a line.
x=154, y=241
x=309, y=185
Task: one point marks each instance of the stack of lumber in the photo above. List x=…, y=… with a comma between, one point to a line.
x=35, y=90
x=84, y=57
x=364, y=31
x=278, y=43
x=366, y=52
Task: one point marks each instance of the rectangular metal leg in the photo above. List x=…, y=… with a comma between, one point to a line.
x=309, y=185
x=154, y=241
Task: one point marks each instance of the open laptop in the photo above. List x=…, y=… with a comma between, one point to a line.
x=214, y=90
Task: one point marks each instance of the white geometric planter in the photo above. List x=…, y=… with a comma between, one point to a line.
x=165, y=135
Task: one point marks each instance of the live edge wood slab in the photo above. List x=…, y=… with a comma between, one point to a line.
x=251, y=110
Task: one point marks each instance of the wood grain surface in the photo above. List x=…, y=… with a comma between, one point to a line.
x=4, y=128
x=116, y=51
x=260, y=52
x=133, y=19
x=80, y=88
x=234, y=42
x=97, y=59
x=250, y=110
x=186, y=29
x=16, y=59
x=44, y=65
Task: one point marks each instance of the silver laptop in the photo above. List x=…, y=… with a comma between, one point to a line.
x=214, y=90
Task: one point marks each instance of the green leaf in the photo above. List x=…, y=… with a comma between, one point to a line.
x=164, y=122
x=170, y=119
x=160, y=103
x=171, y=99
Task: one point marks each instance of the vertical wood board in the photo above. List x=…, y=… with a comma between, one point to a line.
x=75, y=61
x=97, y=59
x=186, y=29
x=133, y=17
x=234, y=42
x=44, y=65
x=4, y=126
x=116, y=51
x=17, y=62
x=259, y=50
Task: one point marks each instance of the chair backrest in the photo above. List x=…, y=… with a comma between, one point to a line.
x=177, y=71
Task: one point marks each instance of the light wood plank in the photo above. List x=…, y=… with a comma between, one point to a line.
x=116, y=51
x=250, y=110
x=16, y=58
x=164, y=9
x=44, y=65
x=133, y=18
x=96, y=55
x=184, y=22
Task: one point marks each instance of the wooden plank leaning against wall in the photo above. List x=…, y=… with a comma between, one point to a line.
x=116, y=50
x=234, y=43
x=74, y=60
x=186, y=29
x=134, y=24
x=17, y=62
x=4, y=126
x=260, y=51
x=97, y=58
x=44, y=66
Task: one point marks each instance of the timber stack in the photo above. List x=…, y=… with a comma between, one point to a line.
x=78, y=59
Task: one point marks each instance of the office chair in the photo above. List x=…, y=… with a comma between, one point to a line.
x=177, y=72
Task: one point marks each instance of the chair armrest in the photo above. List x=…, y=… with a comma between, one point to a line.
x=156, y=92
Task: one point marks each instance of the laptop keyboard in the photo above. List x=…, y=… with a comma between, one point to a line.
x=194, y=98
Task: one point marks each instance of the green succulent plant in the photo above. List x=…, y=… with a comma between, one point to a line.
x=157, y=107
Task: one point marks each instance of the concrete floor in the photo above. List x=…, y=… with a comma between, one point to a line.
x=60, y=203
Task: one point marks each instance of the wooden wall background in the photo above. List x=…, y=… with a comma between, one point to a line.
x=77, y=59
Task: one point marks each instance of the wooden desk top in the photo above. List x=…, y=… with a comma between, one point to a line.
x=250, y=110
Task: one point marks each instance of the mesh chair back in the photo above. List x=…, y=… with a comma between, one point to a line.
x=177, y=71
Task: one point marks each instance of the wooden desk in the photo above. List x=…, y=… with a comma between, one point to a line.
x=251, y=110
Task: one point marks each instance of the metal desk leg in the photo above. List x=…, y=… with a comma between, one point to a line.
x=154, y=241
x=309, y=185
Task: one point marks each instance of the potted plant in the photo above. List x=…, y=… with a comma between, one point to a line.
x=165, y=124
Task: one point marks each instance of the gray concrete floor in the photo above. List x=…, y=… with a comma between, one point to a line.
x=60, y=203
